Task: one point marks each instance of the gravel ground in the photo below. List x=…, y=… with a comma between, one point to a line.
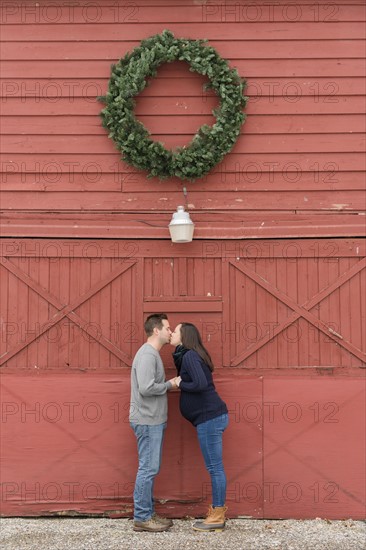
x=240, y=534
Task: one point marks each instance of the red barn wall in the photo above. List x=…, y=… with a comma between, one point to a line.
x=274, y=277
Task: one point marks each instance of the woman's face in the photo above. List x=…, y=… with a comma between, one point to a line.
x=175, y=339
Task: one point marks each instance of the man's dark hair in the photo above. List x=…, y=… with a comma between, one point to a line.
x=154, y=321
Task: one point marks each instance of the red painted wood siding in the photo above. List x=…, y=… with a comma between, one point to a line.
x=283, y=321
x=281, y=309
x=273, y=304
x=68, y=447
x=300, y=153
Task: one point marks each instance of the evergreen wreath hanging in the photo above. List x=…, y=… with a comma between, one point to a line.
x=209, y=145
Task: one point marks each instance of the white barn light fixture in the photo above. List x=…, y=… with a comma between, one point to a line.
x=181, y=226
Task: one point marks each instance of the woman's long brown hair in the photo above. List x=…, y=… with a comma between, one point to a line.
x=191, y=339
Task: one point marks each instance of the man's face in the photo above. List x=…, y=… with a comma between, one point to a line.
x=165, y=333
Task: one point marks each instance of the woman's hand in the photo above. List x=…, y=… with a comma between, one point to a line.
x=173, y=382
x=178, y=381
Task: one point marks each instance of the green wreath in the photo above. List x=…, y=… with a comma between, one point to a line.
x=209, y=145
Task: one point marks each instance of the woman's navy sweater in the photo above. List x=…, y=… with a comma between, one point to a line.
x=199, y=400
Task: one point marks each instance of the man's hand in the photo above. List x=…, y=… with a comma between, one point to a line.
x=173, y=383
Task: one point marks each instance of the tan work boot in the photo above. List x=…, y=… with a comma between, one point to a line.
x=149, y=525
x=164, y=521
x=215, y=520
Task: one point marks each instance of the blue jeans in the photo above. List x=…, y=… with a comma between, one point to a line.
x=149, y=447
x=210, y=439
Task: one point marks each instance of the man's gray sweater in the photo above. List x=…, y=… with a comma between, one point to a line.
x=149, y=402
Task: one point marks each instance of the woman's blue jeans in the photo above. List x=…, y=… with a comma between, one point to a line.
x=149, y=446
x=210, y=439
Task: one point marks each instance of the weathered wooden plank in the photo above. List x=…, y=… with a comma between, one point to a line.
x=4, y=299
x=264, y=105
x=191, y=86
x=265, y=31
x=35, y=310
x=129, y=251
x=260, y=124
x=246, y=313
x=240, y=200
x=356, y=319
x=253, y=177
x=239, y=49
x=248, y=68
x=281, y=309
x=111, y=6
x=267, y=226
x=92, y=166
x=251, y=144
x=219, y=12
x=184, y=306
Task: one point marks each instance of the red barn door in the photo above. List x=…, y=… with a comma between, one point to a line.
x=283, y=323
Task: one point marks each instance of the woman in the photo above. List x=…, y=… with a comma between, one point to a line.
x=201, y=405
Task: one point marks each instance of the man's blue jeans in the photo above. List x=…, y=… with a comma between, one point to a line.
x=210, y=439
x=149, y=447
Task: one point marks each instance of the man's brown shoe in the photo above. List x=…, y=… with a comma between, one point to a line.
x=150, y=525
x=164, y=521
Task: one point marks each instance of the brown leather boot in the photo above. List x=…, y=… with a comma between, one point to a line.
x=164, y=521
x=215, y=520
x=149, y=525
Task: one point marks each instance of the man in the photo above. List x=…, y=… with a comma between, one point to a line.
x=148, y=419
